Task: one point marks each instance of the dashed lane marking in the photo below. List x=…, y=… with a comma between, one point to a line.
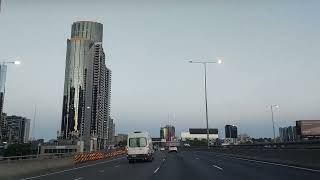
x=155, y=171
x=220, y=168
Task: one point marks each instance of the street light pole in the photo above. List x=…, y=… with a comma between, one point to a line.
x=206, y=100
x=205, y=92
x=274, y=132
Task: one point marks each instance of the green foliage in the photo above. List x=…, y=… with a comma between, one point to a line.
x=197, y=142
x=18, y=150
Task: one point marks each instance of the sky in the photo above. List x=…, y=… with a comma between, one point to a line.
x=270, y=51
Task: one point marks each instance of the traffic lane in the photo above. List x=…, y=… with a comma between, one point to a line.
x=244, y=169
x=117, y=168
x=135, y=171
x=186, y=166
x=77, y=171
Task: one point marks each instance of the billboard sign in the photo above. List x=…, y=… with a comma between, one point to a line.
x=310, y=127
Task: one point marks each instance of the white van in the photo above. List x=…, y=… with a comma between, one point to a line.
x=139, y=147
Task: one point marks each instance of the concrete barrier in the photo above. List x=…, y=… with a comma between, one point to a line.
x=19, y=168
x=24, y=167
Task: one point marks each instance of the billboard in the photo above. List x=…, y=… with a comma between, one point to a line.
x=308, y=128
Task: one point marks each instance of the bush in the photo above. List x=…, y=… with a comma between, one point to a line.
x=18, y=150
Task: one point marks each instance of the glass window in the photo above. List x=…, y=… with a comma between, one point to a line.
x=137, y=142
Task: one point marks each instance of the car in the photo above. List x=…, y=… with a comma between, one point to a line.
x=162, y=149
x=173, y=149
x=139, y=147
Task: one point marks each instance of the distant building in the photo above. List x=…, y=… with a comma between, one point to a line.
x=18, y=129
x=3, y=74
x=308, y=129
x=288, y=134
x=121, y=138
x=60, y=146
x=3, y=128
x=111, y=132
x=244, y=138
x=168, y=133
x=231, y=131
x=199, y=134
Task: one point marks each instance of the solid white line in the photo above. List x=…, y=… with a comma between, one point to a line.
x=156, y=170
x=117, y=165
x=275, y=164
x=265, y=162
x=197, y=158
x=217, y=167
x=72, y=169
x=78, y=178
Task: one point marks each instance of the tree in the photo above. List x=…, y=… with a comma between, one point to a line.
x=18, y=150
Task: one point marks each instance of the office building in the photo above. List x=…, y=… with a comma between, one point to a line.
x=111, y=132
x=18, y=129
x=308, y=129
x=121, y=138
x=3, y=74
x=168, y=133
x=231, y=131
x=3, y=128
x=199, y=134
x=288, y=134
x=86, y=98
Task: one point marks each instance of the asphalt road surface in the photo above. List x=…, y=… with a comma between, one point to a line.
x=184, y=165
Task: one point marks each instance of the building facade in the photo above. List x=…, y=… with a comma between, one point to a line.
x=86, y=98
x=168, y=133
x=199, y=134
x=3, y=74
x=231, y=131
x=18, y=129
x=288, y=134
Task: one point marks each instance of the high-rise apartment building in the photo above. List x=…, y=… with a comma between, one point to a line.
x=18, y=129
x=3, y=74
x=86, y=98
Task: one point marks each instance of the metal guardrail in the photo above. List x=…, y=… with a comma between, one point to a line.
x=315, y=144
x=35, y=157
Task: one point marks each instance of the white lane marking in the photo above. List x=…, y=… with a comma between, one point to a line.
x=220, y=168
x=197, y=158
x=117, y=166
x=101, y=171
x=156, y=170
x=276, y=164
x=72, y=169
x=78, y=178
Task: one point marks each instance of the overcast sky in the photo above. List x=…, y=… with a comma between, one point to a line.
x=270, y=51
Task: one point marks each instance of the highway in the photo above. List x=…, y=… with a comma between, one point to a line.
x=184, y=165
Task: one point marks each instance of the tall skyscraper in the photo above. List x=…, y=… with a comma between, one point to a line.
x=3, y=74
x=86, y=98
